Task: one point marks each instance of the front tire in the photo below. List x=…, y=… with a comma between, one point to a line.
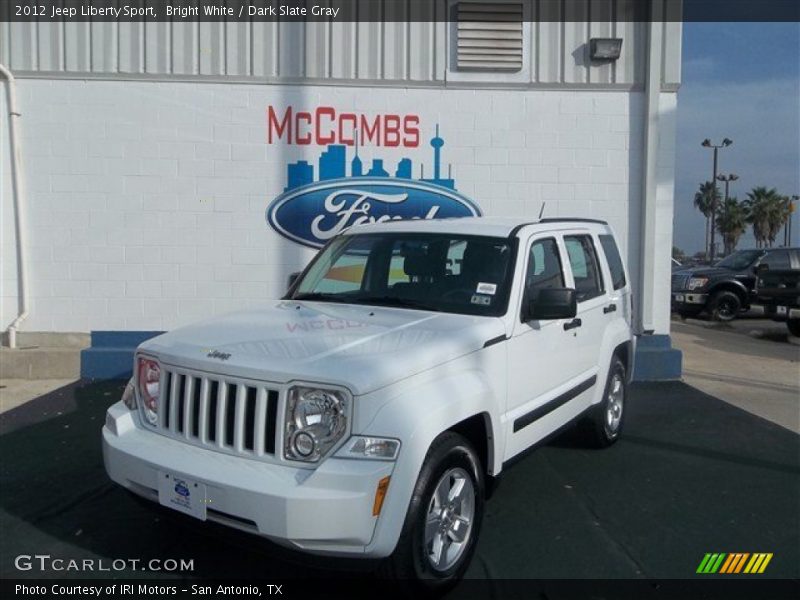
x=443, y=519
x=725, y=306
x=603, y=425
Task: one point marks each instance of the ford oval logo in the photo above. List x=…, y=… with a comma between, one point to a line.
x=314, y=213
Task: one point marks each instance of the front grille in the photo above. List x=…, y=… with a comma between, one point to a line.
x=679, y=281
x=218, y=413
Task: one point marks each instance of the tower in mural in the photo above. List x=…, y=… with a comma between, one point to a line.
x=437, y=143
x=356, y=167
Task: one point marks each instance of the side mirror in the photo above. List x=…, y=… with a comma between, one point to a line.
x=761, y=268
x=292, y=279
x=552, y=303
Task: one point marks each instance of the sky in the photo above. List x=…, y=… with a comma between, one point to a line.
x=741, y=81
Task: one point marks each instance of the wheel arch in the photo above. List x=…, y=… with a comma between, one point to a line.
x=477, y=430
x=731, y=286
x=462, y=401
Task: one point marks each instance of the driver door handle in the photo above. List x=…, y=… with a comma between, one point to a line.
x=572, y=324
x=610, y=308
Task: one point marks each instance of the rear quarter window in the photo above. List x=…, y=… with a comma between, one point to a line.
x=614, y=261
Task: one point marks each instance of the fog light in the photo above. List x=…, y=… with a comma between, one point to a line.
x=304, y=444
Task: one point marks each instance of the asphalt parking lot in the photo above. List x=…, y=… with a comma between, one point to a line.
x=751, y=362
x=692, y=474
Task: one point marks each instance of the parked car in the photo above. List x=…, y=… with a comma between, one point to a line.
x=370, y=411
x=778, y=291
x=727, y=288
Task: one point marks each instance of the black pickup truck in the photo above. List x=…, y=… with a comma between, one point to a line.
x=727, y=288
x=778, y=291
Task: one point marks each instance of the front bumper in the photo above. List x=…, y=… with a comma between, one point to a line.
x=327, y=510
x=780, y=312
x=681, y=299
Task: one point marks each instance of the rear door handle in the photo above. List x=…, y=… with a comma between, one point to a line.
x=609, y=309
x=572, y=324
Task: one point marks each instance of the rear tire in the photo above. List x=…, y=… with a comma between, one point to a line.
x=725, y=306
x=603, y=425
x=794, y=327
x=443, y=520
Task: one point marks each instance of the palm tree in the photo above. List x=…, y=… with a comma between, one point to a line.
x=705, y=198
x=769, y=212
x=779, y=216
x=732, y=219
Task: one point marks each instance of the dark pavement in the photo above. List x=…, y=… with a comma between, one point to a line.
x=690, y=475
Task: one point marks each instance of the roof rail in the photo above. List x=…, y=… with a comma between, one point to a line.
x=571, y=220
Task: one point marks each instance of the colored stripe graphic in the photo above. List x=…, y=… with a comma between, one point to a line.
x=711, y=563
x=758, y=563
x=728, y=563
x=734, y=562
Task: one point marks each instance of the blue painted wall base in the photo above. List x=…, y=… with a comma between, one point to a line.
x=111, y=354
x=656, y=359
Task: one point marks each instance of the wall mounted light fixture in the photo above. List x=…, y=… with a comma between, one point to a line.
x=605, y=49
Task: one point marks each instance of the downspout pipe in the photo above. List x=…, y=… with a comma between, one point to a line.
x=19, y=205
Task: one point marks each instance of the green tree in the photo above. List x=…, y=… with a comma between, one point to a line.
x=732, y=219
x=705, y=198
x=769, y=212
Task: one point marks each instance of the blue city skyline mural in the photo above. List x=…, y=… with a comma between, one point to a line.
x=332, y=164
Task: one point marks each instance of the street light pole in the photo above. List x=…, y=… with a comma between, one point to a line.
x=707, y=144
x=727, y=179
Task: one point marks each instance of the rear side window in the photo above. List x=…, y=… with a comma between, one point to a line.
x=777, y=259
x=585, y=268
x=614, y=261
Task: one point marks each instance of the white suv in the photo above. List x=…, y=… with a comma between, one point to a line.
x=369, y=411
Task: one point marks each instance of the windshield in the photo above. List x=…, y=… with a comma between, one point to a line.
x=431, y=271
x=739, y=260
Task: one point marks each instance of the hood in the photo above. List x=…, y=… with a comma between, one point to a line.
x=360, y=347
x=704, y=272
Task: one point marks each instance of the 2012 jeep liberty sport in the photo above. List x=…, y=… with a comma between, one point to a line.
x=368, y=412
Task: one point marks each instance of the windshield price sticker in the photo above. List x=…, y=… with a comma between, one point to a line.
x=487, y=288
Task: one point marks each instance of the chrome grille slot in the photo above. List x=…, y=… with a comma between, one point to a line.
x=679, y=281
x=237, y=417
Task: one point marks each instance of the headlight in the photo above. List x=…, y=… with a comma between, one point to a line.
x=370, y=447
x=316, y=419
x=697, y=282
x=148, y=375
x=129, y=395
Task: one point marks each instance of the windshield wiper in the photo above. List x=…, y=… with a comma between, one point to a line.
x=321, y=296
x=394, y=301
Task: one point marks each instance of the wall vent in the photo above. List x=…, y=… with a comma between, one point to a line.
x=489, y=36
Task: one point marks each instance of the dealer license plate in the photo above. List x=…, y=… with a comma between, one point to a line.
x=182, y=494
x=781, y=311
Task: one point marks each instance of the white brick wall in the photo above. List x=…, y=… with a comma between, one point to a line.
x=146, y=201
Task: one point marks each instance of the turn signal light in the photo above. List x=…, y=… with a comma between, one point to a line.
x=380, y=494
